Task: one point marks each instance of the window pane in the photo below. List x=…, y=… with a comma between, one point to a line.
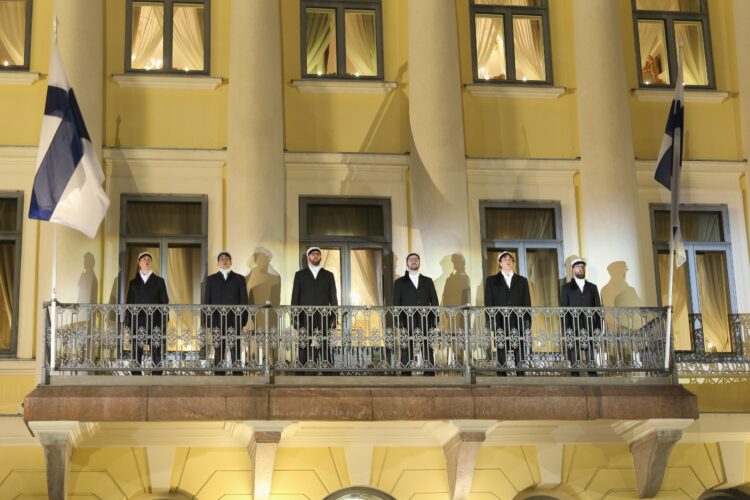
x=12, y=32
x=696, y=226
x=714, y=296
x=367, y=277
x=520, y=223
x=320, y=41
x=528, y=44
x=669, y=5
x=188, y=38
x=490, y=47
x=345, y=220
x=654, y=61
x=683, y=340
x=512, y=3
x=361, y=46
x=147, y=42
x=184, y=274
x=7, y=290
x=543, y=273
x=693, y=52
x=8, y=214
x=330, y=258
x=163, y=218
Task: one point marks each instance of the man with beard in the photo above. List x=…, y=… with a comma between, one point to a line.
x=579, y=292
x=508, y=289
x=147, y=330
x=410, y=290
x=314, y=286
x=226, y=288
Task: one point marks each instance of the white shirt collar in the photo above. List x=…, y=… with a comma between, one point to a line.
x=507, y=277
x=225, y=272
x=314, y=269
x=580, y=282
x=414, y=277
x=145, y=276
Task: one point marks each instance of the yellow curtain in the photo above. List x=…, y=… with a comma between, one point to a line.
x=7, y=251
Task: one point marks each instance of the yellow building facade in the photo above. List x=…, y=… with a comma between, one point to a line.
x=255, y=136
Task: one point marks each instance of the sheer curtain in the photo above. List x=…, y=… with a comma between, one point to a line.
x=520, y=223
x=13, y=30
x=188, y=38
x=693, y=53
x=488, y=28
x=7, y=251
x=543, y=276
x=528, y=40
x=680, y=321
x=712, y=282
x=367, y=277
x=148, y=36
x=320, y=41
x=361, y=47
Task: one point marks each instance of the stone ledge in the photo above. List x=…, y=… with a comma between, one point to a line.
x=192, y=403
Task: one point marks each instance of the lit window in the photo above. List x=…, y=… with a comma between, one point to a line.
x=10, y=258
x=15, y=34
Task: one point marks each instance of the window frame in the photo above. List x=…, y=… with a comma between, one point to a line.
x=508, y=11
x=168, y=37
x=361, y=490
x=669, y=18
x=26, y=45
x=340, y=7
x=161, y=240
x=522, y=245
x=16, y=237
x=693, y=292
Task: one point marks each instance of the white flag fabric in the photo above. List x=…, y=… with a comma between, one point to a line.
x=669, y=162
x=68, y=182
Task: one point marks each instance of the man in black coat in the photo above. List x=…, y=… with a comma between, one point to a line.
x=146, y=327
x=581, y=293
x=314, y=286
x=226, y=288
x=508, y=289
x=413, y=289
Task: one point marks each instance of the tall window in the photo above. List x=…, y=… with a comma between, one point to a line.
x=168, y=36
x=355, y=237
x=342, y=39
x=702, y=296
x=15, y=34
x=510, y=41
x=174, y=230
x=660, y=26
x=11, y=209
x=532, y=232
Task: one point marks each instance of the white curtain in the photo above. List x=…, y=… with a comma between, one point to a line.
x=528, y=40
x=680, y=320
x=367, y=274
x=148, y=36
x=13, y=30
x=361, y=47
x=669, y=5
x=513, y=3
x=488, y=28
x=693, y=53
x=7, y=251
x=320, y=41
x=188, y=38
x=712, y=282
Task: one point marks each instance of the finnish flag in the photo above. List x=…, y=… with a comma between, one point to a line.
x=669, y=162
x=68, y=182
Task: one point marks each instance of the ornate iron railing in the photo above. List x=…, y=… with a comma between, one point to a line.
x=706, y=364
x=266, y=340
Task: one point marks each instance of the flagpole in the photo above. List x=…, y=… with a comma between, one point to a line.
x=53, y=297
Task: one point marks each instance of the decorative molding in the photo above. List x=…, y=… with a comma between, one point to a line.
x=13, y=432
x=76, y=432
x=122, y=160
x=517, y=170
x=25, y=367
x=666, y=95
x=633, y=430
x=152, y=81
x=347, y=163
x=528, y=91
x=20, y=78
x=697, y=174
x=344, y=86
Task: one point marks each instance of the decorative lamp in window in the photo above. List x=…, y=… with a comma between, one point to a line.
x=15, y=34
x=341, y=39
x=168, y=36
x=660, y=26
x=511, y=41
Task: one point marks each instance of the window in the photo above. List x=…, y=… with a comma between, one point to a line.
x=659, y=26
x=702, y=295
x=168, y=36
x=510, y=41
x=11, y=219
x=532, y=233
x=359, y=493
x=355, y=238
x=342, y=39
x=174, y=230
x=15, y=34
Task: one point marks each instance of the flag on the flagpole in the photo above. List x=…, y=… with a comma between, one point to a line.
x=68, y=182
x=669, y=161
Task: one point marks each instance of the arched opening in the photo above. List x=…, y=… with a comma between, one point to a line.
x=359, y=493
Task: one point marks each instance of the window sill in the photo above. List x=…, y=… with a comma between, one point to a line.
x=145, y=81
x=666, y=95
x=18, y=77
x=514, y=91
x=344, y=86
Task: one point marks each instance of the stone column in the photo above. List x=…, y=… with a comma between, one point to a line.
x=58, y=440
x=438, y=184
x=255, y=148
x=608, y=177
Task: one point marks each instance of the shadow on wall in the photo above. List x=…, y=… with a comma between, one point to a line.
x=263, y=281
x=88, y=283
x=617, y=292
x=454, y=281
